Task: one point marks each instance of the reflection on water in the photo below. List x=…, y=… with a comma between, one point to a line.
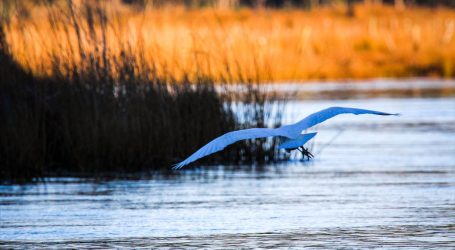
x=384, y=181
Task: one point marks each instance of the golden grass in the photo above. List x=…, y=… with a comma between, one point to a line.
x=253, y=45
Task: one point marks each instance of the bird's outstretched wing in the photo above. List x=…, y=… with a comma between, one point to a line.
x=223, y=141
x=326, y=114
x=297, y=142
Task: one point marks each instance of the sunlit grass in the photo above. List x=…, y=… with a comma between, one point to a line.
x=248, y=45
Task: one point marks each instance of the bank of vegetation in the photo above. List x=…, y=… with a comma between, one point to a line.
x=334, y=41
x=102, y=111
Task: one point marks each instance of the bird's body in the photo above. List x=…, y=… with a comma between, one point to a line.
x=293, y=132
x=297, y=142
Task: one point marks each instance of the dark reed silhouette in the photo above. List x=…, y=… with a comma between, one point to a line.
x=111, y=114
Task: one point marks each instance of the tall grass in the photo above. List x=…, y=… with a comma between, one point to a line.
x=252, y=44
x=100, y=108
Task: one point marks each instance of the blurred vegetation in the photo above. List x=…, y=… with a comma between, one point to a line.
x=290, y=3
x=244, y=45
x=261, y=3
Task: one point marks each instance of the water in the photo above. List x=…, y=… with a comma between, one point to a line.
x=373, y=88
x=383, y=182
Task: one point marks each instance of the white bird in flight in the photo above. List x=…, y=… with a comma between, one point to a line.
x=293, y=132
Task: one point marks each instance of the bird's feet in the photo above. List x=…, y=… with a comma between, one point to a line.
x=306, y=153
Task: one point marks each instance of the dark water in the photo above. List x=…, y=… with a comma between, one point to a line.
x=382, y=182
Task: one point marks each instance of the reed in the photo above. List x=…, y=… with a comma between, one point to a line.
x=253, y=44
x=99, y=110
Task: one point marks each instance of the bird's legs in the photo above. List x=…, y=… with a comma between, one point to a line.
x=305, y=152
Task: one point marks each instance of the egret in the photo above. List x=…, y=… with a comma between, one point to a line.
x=293, y=133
